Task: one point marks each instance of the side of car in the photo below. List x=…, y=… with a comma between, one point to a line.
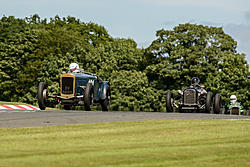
x=78, y=89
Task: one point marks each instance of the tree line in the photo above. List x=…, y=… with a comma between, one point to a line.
x=34, y=50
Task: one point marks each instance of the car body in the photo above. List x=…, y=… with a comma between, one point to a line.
x=194, y=98
x=235, y=108
x=78, y=89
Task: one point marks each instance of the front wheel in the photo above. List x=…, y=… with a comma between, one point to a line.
x=208, y=106
x=169, y=102
x=106, y=102
x=42, y=95
x=217, y=103
x=88, y=97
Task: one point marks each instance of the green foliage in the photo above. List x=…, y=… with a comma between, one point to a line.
x=194, y=50
x=132, y=92
x=34, y=50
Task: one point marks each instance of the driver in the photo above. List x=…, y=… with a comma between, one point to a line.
x=74, y=68
x=234, y=102
x=233, y=99
x=195, y=81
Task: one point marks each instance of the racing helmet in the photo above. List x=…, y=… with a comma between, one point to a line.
x=73, y=67
x=233, y=98
x=195, y=80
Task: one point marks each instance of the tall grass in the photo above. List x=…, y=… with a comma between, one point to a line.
x=193, y=143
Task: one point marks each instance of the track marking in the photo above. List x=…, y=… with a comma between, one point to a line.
x=18, y=108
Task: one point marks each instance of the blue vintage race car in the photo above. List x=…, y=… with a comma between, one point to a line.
x=78, y=89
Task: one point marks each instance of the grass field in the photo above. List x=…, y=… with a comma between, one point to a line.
x=211, y=143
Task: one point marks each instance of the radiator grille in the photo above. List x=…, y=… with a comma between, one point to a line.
x=190, y=96
x=67, y=85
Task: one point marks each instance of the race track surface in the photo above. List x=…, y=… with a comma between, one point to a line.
x=51, y=118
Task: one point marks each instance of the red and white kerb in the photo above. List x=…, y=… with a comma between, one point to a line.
x=18, y=107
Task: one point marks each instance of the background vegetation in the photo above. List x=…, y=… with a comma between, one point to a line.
x=34, y=50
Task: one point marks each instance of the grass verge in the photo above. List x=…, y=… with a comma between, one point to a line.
x=176, y=143
x=11, y=103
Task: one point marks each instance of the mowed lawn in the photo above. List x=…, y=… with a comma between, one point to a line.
x=178, y=143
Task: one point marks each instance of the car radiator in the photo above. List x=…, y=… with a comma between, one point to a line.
x=67, y=85
x=189, y=97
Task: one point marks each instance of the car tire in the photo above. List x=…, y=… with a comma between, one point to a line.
x=217, y=103
x=106, y=102
x=169, y=102
x=42, y=95
x=88, y=97
x=208, y=105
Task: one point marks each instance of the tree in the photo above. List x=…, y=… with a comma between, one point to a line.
x=18, y=59
x=115, y=55
x=195, y=50
x=132, y=92
x=34, y=50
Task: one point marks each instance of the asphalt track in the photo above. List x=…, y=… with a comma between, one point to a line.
x=15, y=119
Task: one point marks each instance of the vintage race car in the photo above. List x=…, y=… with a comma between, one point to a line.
x=194, y=98
x=78, y=89
x=235, y=108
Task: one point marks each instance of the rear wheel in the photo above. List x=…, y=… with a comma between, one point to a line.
x=88, y=97
x=217, y=103
x=106, y=102
x=42, y=95
x=208, y=106
x=169, y=102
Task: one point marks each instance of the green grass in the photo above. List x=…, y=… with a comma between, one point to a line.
x=178, y=143
x=12, y=103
